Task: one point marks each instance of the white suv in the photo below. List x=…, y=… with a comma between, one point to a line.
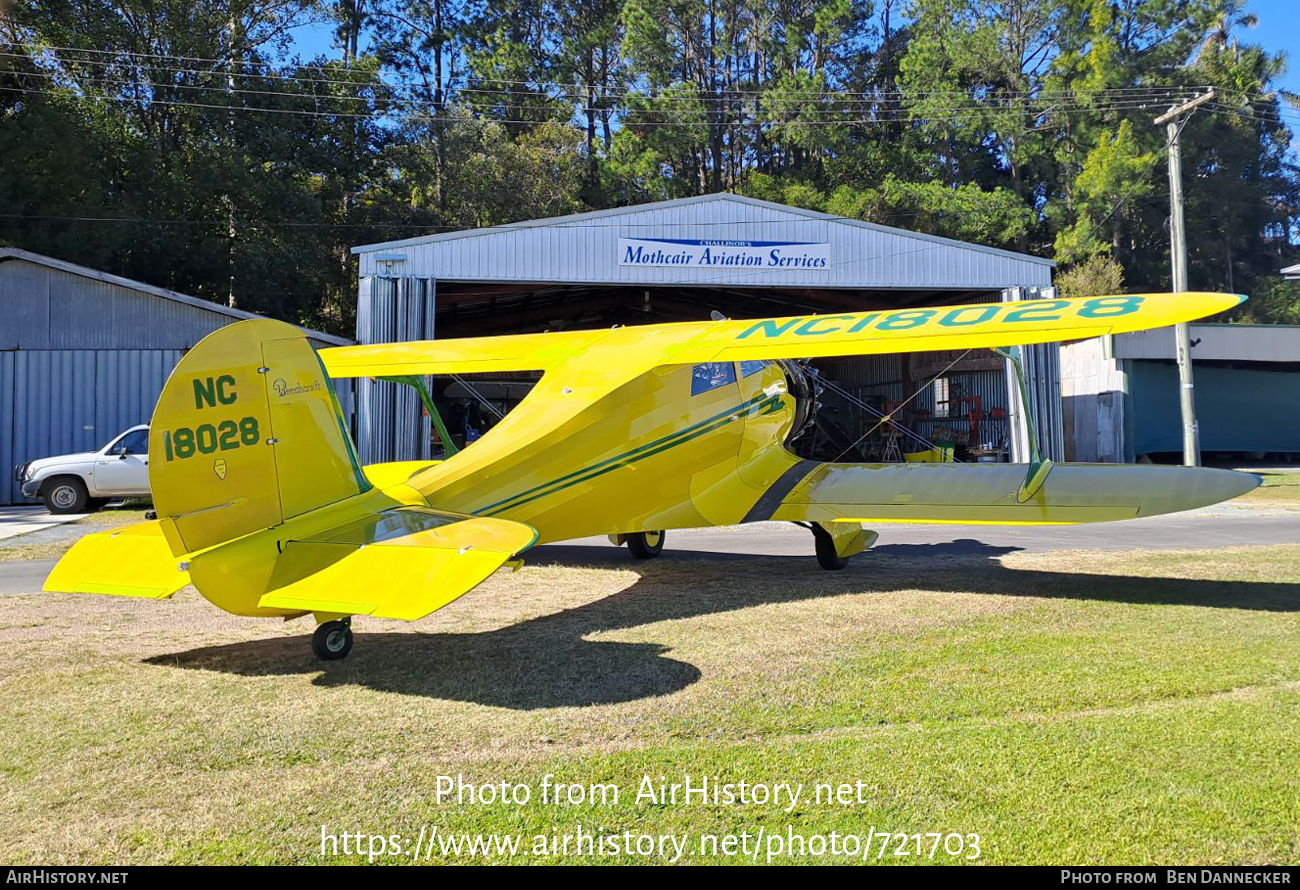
x=80, y=483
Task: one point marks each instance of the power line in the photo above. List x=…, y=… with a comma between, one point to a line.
x=954, y=100
x=432, y=227
x=794, y=95
x=832, y=104
x=1117, y=98
x=965, y=102
x=628, y=118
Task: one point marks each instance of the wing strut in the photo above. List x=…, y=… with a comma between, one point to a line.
x=1039, y=467
x=448, y=447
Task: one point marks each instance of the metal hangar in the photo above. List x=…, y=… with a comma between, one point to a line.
x=682, y=260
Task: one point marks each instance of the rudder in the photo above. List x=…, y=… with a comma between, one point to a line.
x=247, y=433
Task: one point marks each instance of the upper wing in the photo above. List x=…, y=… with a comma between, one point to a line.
x=978, y=325
x=469, y=355
x=968, y=326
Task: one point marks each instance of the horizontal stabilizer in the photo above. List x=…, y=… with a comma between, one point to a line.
x=130, y=561
x=386, y=475
x=402, y=563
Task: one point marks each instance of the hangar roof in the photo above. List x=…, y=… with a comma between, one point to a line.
x=105, y=311
x=721, y=240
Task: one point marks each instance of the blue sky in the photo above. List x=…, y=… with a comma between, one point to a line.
x=1279, y=31
x=315, y=40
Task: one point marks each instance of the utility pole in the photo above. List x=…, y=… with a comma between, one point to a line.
x=1173, y=119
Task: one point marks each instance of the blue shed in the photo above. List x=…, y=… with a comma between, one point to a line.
x=84, y=354
x=1120, y=394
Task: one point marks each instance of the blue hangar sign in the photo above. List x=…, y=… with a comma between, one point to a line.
x=720, y=253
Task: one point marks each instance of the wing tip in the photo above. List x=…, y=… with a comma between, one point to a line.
x=1223, y=301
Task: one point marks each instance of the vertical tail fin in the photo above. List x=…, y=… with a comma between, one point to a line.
x=247, y=434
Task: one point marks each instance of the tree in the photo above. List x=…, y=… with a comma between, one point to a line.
x=185, y=145
x=1095, y=276
x=1114, y=172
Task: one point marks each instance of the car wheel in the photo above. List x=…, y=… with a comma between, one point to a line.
x=65, y=494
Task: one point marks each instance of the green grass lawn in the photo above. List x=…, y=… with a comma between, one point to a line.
x=1281, y=488
x=1079, y=707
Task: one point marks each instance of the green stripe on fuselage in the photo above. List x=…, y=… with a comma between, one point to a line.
x=758, y=404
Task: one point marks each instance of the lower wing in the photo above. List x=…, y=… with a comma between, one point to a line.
x=994, y=493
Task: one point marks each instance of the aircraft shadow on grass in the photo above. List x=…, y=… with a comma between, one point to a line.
x=548, y=662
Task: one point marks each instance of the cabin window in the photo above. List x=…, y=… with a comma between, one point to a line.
x=711, y=375
x=751, y=367
x=135, y=442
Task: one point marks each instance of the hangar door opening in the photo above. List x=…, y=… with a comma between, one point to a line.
x=961, y=406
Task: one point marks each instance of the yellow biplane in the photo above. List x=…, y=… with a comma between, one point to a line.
x=264, y=507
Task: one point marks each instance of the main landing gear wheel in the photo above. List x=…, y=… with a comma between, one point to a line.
x=827, y=557
x=332, y=640
x=646, y=545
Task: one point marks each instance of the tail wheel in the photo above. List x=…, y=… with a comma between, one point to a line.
x=646, y=545
x=827, y=557
x=332, y=640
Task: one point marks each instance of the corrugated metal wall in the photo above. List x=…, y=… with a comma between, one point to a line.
x=391, y=424
x=869, y=376
x=7, y=460
x=53, y=309
x=83, y=359
x=62, y=401
x=1042, y=367
x=584, y=248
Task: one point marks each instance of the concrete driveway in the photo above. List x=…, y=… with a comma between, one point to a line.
x=1222, y=525
x=23, y=519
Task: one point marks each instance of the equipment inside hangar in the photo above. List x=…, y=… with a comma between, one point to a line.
x=685, y=260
